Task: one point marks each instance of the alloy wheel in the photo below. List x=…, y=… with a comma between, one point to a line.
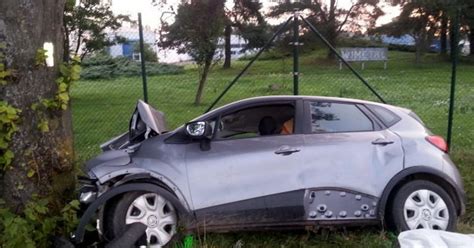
x=426, y=209
x=157, y=214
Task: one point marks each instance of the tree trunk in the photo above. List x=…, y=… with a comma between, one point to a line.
x=202, y=81
x=471, y=40
x=228, y=51
x=419, y=48
x=66, y=52
x=332, y=28
x=417, y=55
x=24, y=27
x=444, y=35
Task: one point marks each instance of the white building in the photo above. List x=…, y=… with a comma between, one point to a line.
x=132, y=37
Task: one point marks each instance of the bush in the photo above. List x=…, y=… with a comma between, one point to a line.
x=402, y=48
x=359, y=42
x=271, y=54
x=37, y=225
x=103, y=66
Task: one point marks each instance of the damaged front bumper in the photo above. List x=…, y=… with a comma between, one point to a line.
x=88, y=191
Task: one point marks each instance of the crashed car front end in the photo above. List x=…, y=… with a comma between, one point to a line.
x=109, y=169
x=91, y=186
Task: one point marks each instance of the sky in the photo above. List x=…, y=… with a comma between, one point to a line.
x=151, y=13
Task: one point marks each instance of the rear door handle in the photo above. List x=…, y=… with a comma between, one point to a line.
x=286, y=150
x=382, y=142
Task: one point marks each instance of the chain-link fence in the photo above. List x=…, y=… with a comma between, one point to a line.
x=105, y=97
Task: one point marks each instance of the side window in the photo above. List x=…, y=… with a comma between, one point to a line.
x=328, y=117
x=275, y=119
x=385, y=115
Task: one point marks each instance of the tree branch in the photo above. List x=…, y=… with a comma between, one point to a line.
x=346, y=18
x=78, y=43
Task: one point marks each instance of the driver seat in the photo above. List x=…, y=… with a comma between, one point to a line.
x=267, y=126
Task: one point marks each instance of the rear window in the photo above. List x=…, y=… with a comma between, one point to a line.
x=386, y=116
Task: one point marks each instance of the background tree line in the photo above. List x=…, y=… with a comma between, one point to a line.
x=423, y=20
x=428, y=20
x=199, y=27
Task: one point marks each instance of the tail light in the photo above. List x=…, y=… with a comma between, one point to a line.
x=439, y=142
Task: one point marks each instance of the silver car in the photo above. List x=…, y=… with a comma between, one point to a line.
x=272, y=162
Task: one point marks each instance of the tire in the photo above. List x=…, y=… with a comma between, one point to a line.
x=151, y=209
x=423, y=204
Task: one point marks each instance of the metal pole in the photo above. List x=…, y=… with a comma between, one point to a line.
x=269, y=42
x=342, y=59
x=454, y=58
x=295, y=53
x=142, y=58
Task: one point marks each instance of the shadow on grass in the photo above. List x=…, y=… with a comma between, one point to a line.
x=324, y=237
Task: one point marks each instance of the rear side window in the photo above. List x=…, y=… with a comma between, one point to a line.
x=417, y=118
x=386, y=116
x=329, y=117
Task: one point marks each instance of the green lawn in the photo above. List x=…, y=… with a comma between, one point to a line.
x=101, y=110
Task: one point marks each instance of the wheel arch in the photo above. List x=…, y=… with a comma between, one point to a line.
x=137, y=175
x=147, y=178
x=424, y=173
x=131, y=186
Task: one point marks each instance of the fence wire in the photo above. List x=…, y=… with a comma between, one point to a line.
x=104, y=99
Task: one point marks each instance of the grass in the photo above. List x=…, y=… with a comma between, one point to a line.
x=101, y=110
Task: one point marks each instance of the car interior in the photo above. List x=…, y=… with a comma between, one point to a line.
x=256, y=121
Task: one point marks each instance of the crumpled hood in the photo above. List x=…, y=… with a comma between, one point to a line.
x=109, y=158
x=152, y=117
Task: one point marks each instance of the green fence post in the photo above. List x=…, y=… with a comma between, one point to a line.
x=454, y=58
x=295, y=53
x=142, y=58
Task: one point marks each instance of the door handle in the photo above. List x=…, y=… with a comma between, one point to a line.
x=382, y=142
x=286, y=150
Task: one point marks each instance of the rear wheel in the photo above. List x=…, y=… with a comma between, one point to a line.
x=150, y=209
x=422, y=204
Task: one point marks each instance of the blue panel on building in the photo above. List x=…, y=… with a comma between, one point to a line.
x=127, y=50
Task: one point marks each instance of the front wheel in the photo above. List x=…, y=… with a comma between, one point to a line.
x=422, y=204
x=150, y=209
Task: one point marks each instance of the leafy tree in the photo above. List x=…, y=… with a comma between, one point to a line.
x=197, y=27
x=330, y=19
x=246, y=17
x=85, y=24
x=423, y=20
x=428, y=19
x=40, y=161
x=443, y=36
x=468, y=18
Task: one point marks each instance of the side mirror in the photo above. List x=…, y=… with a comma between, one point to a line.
x=198, y=130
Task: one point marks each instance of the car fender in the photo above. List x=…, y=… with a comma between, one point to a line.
x=459, y=195
x=185, y=216
x=133, y=173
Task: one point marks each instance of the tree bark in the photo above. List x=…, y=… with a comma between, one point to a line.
x=202, y=81
x=444, y=35
x=24, y=27
x=227, y=48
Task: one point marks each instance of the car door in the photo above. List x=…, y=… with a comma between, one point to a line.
x=237, y=180
x=348, y=157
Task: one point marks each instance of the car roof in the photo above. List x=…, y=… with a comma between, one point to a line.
x=263, y=99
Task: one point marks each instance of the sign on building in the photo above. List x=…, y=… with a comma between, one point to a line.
x=364, y=54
